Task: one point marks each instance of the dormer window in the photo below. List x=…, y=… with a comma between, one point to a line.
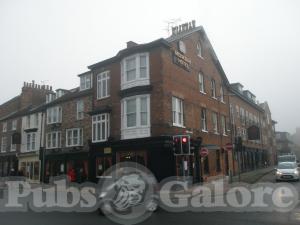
x=199, y=50
x=135, y=71
x=50, y=97
x=85, y=81
x=60, y=93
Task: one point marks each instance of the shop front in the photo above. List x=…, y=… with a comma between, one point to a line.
x=8, y=165
x=74, y=165
x=29, y=166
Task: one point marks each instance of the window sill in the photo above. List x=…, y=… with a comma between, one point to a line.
x=205, y=131
x=214, y=98
x=96, y=141
x=216, y=133
x=178, y=125
x=99, y=99
x=223, y=102
x=202, y=92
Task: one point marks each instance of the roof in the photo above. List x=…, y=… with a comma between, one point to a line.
x=127, y=51
x=244, y=98
x=212, y=52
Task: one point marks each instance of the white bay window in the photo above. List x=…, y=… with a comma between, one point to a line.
x=136, y=117
x=135, y=71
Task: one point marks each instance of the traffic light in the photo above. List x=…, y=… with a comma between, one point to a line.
x=181, y=144
x=185, y=141
x=177, y=145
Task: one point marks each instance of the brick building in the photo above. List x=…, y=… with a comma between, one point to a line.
x=11, y=113
x=149, y=92
x=246, y=112
x=68, y=132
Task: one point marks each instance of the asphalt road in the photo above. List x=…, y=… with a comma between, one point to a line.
x=160, y=217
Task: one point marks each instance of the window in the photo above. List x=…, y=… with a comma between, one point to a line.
x=135, y=71
x=31, y=142
x=54, y=115
x=177, y=111
x=199, y=50
x=201, y=83
x=13, y=147
x=103, y=85
x=74, y=137
x=215, y=123
x=100, y=130
x=203, y=120
x=213, y=88
x=136, y=111
x=3, y=144
x=181, y=47
x=85, y=81
x=14, y=125
x=80, y=109
x=36, y=120
x=223, y=124
x=221, y=94
x=53, y=140
x=4, y=127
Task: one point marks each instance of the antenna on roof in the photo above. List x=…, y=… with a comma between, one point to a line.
x=171, y=23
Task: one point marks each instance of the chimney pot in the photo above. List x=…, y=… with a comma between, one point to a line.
x=131, y=44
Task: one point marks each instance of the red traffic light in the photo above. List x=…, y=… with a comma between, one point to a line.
x=184, y=140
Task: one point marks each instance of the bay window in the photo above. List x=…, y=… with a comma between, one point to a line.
x=100, y=127
x=135, y=71
x=136, y=116
x=85, y=81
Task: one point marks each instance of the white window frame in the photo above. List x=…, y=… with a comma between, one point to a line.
x=57, y=143
x=72, y=137
x=98, y=121
x=4, y=127
x=215, y=121
x=14, y=124
x=213, y=88
x=31, y=141
x=138, y=81
x=204, y=119
x=201, y=83
x=138, y=112
x=50, y=115
x=223, y=125
x=86, y=82
x=13, y=147
x=222, y=99
x=79, y=114
x=103, y=78
x=3, y=144
x=199, y=50
x=177, y=112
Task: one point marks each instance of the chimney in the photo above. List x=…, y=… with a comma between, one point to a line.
x=131, y=44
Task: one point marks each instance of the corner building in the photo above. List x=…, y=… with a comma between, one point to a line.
x=148, y=93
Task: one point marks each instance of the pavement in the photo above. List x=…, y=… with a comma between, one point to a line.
x=166, y=218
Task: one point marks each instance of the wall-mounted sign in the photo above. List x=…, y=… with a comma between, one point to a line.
x=181, y=60
x=253, y=133
x=107, y=150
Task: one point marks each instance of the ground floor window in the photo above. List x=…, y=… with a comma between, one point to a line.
x=102, y=164
x=30, y=169
x=206, y=165
x=77, y=170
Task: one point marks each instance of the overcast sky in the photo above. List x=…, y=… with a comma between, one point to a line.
x=257, y=42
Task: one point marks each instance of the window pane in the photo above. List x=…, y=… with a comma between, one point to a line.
x=131, y=120
x=143, y=72
x=131, y=106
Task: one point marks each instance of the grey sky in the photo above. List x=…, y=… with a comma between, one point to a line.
x=257, y=42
